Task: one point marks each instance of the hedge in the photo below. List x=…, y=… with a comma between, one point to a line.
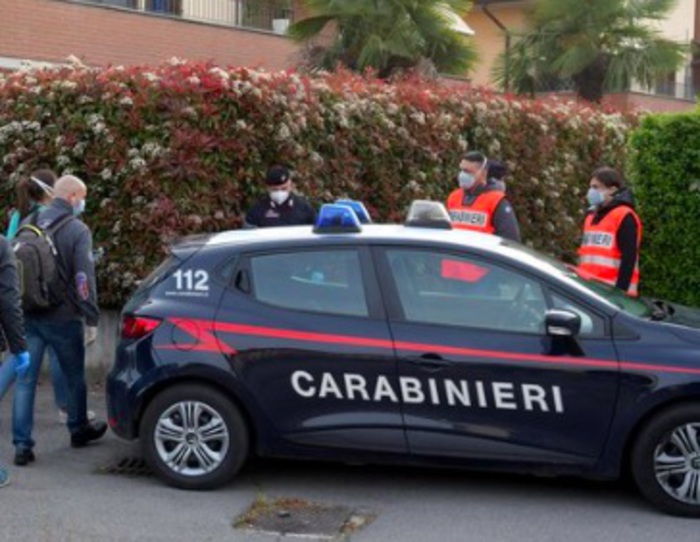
x=181, y=148
x=665, y=172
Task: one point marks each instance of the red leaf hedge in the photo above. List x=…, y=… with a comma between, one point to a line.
x=181, y=148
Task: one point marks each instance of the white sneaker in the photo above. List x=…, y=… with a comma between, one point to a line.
x=63, y=416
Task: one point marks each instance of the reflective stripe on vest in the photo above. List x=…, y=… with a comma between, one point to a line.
x=475, y=217
x=599, y=254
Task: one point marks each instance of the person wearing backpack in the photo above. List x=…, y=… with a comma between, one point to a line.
x=55, y=306
x=34, y=193
x=11, y=329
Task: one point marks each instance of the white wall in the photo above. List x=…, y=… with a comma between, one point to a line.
x=221, y=11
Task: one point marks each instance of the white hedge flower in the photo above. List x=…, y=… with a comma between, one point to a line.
x=418, y=117
x=138, y=164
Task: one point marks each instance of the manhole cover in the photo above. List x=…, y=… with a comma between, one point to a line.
x=297, y=517
x=127, y=466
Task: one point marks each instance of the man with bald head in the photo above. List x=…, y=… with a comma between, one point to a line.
x=62, y=325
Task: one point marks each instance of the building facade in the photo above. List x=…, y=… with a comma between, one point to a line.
x=493, y=20
x=129, y=32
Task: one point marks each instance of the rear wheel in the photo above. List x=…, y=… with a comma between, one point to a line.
x=666, y=460
x=193, y=437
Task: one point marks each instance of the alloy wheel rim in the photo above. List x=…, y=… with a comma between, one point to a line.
x=677, y=463
x=191, y=438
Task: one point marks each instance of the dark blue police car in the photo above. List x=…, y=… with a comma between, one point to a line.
x=391, y=343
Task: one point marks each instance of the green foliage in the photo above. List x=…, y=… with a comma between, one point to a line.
x=665, y=172
x=598, y=45
x=182, y=148
x=387, y=35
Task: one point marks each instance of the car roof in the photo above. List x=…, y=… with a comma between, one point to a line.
x=373, y=233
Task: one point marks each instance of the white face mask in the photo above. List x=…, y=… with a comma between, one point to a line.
x=279, y=196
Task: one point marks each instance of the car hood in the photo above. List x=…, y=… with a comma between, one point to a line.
x=686, y=320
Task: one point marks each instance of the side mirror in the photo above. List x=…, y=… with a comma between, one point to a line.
x=561, y=323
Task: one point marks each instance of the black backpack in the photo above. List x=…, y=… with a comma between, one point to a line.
x=37, y=265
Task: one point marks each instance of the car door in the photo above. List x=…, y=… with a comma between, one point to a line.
x=478, y=376
x=309, y=341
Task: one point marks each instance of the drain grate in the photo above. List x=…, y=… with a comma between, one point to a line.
x=297, y=517
x=126, y=466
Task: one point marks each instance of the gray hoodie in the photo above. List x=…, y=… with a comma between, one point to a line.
x=74, y=245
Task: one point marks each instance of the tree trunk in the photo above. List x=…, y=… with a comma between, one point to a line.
x=590, y=83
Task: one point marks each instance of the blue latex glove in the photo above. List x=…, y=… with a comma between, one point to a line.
x=21, y=363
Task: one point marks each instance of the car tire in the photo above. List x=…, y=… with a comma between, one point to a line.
x=193, y=437
x=665, y=460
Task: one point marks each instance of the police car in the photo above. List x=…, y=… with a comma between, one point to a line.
x=403, y=343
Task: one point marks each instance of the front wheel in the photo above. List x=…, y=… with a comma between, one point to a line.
x=666, y=460
x=193, y=437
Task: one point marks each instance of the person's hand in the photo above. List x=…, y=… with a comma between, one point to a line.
x=90, y=335
x=21, y=363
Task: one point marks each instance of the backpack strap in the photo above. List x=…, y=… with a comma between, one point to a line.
x=57, y=224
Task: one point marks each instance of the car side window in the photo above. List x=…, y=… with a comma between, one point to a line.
x=592, y=325
x=328, y=281
x=442, y=288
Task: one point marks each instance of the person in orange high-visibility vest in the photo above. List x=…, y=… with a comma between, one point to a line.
x=612, y=233
x=480, y=205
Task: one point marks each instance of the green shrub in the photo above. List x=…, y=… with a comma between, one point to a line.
x=665, y=173
x=181, y=148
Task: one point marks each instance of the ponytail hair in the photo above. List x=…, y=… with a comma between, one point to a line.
x=34, y=189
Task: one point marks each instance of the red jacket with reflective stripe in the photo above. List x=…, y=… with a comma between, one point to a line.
x=479, y=215
x=599, y=253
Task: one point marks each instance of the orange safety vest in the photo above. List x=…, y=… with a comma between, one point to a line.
x=479, y=215
x=599, y=254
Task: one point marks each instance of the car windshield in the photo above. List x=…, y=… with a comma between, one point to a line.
x=631, y=305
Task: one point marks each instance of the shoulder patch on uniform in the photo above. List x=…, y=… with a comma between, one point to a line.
x=83, y=286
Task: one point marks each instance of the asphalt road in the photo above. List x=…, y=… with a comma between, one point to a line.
x=63, y=496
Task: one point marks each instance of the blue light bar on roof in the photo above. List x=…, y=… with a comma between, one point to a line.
x=335, y=218
x=359, y=208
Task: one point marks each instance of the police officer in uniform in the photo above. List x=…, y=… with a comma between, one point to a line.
x=478, y=205
x=281, y=206
x=612, y=233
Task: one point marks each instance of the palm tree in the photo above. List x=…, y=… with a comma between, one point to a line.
x=386, y=35
x=597, y=45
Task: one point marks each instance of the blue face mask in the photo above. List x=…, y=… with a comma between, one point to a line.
x=79, y=208
x=466, y=180
x=595, y=197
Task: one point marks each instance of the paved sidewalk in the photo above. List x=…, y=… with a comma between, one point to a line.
x=62, y=497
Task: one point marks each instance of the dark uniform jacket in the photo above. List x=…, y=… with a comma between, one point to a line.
x=11, y=320
x=293, y=212
x=74, y=246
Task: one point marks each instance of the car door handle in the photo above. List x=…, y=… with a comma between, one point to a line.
x=430, y=362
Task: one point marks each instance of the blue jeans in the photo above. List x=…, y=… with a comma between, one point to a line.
x=60, y=387
x=7, y=375
x=66, y=338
